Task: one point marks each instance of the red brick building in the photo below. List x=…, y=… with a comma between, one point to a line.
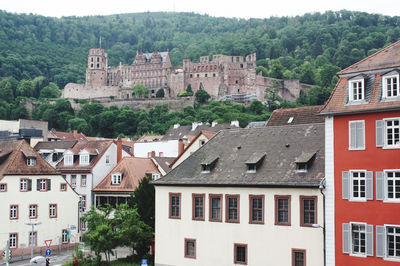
x=362, y=127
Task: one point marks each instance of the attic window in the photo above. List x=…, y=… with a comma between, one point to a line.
x=290, y=120
x=208, y=165
x=84, y=159
x=391, y=86
x=301, y=167
x=254, y=162
x=68, y=159
x=356, y=90
x=116, y=178
x=31, y=161
x=303, y=161
x=155, y=176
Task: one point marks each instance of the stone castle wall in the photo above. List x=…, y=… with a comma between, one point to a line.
x=219, y=75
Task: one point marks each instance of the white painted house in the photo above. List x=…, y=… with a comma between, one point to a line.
x=167, y=148
x=247, y=197
x=33, y=191
x=86, y=164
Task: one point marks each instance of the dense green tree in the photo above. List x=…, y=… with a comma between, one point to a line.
x=202, y=96
x=140, y=91
x=160, y=93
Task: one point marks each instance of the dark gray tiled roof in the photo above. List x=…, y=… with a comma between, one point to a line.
x=50, y=145
x=178, y=133
x=282, y=146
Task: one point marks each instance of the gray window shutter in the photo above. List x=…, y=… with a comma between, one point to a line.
x=370, y=185
x=345, y=185
x=38, y=184
x=353, y=138
x=380, y=241
x=360, y=135
x=48, y=184
x=380, y=127
x=370, y=240
x=29, y=185
x=380, y=186
x=346, y=238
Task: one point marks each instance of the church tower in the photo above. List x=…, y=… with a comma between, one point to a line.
x=96, y=72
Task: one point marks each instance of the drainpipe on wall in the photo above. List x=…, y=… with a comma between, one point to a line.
x=321, y=188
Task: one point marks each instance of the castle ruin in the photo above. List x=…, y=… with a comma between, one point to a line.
x=223, y=77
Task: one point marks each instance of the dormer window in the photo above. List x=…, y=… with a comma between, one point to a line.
x=254, y=162
x=84, y=159
x=391, y=86
x=116, y=178
x=155, y=176
x=251, y=168
x=301, y=167
x=68, y=159
x=209, y=164
x=31, y=161
x=304, y=161
x=356, y=90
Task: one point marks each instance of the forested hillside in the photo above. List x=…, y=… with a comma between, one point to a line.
x=39, y=55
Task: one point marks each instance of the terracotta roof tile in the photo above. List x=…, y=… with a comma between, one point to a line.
x=302, y=115
x=13, y=160
x=96, y=148
x=133, y=169
x=386, y=58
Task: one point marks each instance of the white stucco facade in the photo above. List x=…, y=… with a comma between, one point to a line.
x=106, y=162
x=51, y=228
x=267, y=244
x=167, y=148
x=194, y=146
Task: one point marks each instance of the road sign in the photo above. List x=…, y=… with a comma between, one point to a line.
x=48, y=252
x=48, y=243
x=72, y=227
x=69, y=234
x=144, y=262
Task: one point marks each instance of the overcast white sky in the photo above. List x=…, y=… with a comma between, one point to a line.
x=217, y=8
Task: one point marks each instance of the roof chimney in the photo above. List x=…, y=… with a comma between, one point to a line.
x=119, y=150
x=153, y=154
x=75, y=133
x=176, y=126
x=195, y=125
x=180, y=147
x=235, y=123
x=214, y=123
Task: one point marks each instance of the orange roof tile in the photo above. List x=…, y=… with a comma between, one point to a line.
x=302, y=115
x=133, y=169
x=13, y=155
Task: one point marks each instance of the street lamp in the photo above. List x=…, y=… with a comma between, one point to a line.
x=31, y=238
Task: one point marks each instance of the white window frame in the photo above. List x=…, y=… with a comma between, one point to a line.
x=351, y=92
x=68, y=159
x=358, y=254
x=13, y=240
x=251, y=168
x=83, y=184
x=386, y=257
x=116, y=178
x=32, y=239
x=73, y=181
x=386, y=185
x=52, y=210
x=350, y=132
x=3, y=187
x=84, y=159
x=155, y=176
x=31, y=161
x=23, y=185
x=33, y=210
x=14, y=212
x=43, y=184
x=64, y=236
x=351, y=178
x=385, y=89
x=385, y=133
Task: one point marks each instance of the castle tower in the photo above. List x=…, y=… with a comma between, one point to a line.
x=96, y=72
